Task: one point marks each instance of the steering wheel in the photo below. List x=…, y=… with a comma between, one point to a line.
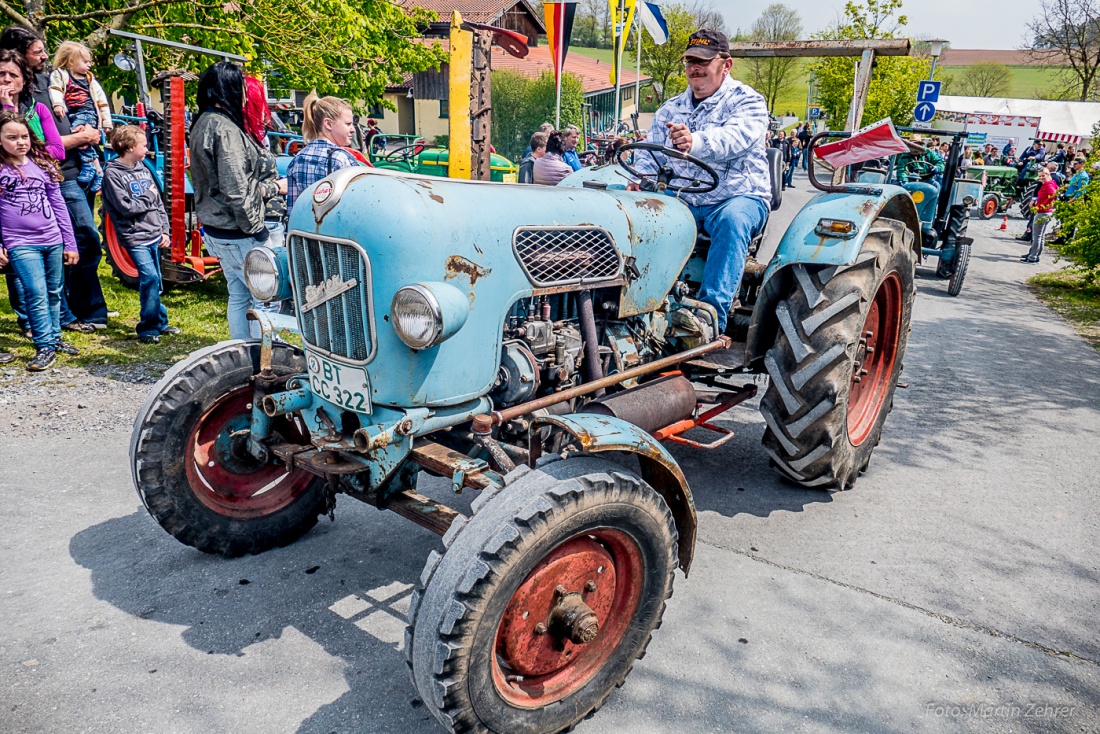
x=665, y=175
x=405, y=153
x=921, y=169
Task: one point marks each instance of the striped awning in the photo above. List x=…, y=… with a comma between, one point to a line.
x=1060, y=138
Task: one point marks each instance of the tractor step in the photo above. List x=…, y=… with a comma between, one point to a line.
x=722, y=360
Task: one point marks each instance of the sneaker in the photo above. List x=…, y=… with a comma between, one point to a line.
x=97, y=183
x=170, y=330
x=78, y=326
x=1023, y=237
x=42, y=361
x=1031, y=260
x=111, y=315
x=96, y=325
x=149, y=339
x=64, y=347
x=87, y=173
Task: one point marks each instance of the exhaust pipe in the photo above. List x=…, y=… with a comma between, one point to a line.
x=651, y=406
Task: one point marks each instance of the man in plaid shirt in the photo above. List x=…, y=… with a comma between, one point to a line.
x=722, y=122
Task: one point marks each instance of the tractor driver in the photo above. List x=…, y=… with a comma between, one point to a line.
x=723, y=123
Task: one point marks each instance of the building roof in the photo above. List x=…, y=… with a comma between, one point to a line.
x=968, y=56
x=595, y=75
x=478, y=11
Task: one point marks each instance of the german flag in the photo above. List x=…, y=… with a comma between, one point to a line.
x=559, y=27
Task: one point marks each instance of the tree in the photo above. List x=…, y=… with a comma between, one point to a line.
x=894, y=81
x=353, y=48
x=520, y=105
x=984, y=79
x=772, y=77
x=663, y=63
x=1066, y=34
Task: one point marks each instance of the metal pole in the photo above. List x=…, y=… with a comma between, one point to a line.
x=559, y=10
x=143, y=88
x=638, y=65
x=618, y=68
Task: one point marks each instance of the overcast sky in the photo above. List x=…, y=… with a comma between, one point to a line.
x=986, y=24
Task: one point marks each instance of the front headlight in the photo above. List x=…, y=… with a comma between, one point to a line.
x=425, y=314
x=261, y=274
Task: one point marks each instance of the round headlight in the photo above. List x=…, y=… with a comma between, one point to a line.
x=417, y=318
x=261, y=274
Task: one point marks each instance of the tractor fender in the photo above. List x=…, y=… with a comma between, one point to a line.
x=801, y=245
x=595, y=433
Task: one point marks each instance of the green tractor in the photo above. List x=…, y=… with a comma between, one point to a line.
x=1004, y=187
x=412, y=155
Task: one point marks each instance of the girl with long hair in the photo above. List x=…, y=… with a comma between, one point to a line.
x=37, y=235
x=327, y=126
x=551, y=168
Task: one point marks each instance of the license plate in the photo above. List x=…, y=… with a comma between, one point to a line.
x=339, y=384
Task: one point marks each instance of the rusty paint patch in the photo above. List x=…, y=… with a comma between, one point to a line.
x=651, y=203
x=457, y=265
x=436, y=197
x=868, y=207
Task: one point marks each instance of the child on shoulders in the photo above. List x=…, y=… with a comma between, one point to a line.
x=75, y=92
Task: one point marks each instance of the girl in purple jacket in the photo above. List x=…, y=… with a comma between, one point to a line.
x=37, y=235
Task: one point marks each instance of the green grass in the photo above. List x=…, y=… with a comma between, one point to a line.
x=199, y=310
x=1071, y=296
x=606, y=55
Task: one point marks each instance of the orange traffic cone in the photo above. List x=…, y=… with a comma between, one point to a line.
x=1004, y=222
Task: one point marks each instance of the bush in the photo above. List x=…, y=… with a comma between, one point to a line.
x=520, y=105
x=442, y=141
x=1080, y=220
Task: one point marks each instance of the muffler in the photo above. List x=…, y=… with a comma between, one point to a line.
x=650, y=406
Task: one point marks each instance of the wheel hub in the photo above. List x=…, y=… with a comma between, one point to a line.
x=568, y=617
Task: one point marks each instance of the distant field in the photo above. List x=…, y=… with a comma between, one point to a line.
x=1026, y=82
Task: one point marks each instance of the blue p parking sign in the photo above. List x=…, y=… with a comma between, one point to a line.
x=928, y=91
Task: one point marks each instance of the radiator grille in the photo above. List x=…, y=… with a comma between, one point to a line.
x=565, y=255
x=341, y=326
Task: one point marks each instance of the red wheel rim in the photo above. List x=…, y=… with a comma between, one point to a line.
x=990, y=207
x=533, y=668
x=876, y=351
x=223, y=480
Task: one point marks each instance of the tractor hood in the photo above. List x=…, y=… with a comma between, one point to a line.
x=492, y=243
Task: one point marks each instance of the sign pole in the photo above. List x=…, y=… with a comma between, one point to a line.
x=618, y=67
x=559, y=10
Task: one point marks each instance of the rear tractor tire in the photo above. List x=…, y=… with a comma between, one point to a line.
x=836, y=360
x=192, y=469
x=542, y=600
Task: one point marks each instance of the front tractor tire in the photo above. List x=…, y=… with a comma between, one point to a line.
x=835, y=363
x=542, y=600
x=191, y=465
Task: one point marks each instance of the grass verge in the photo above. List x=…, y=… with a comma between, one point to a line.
x=1068, y=294
x=198, y=310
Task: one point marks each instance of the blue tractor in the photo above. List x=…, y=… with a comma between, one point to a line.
x=518, y=341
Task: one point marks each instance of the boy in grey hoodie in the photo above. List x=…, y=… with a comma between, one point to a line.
x=132, y=200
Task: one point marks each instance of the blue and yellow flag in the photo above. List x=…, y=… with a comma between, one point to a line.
x=622, y=17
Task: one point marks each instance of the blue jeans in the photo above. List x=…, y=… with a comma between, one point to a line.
x=41, y=272
x=788, y=175
x=16, y=298
x=154, y=317
x=230, y=253
x=85, y=295
x=731, y=225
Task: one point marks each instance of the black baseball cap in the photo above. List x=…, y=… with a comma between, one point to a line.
x=706, y=44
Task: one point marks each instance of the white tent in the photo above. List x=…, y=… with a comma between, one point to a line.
x=1059, y=121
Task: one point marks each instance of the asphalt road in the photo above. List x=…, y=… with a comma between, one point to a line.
x=954, y=589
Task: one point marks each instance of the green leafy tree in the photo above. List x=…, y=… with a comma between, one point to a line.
x=520, y=105
x=663, y=63
x=894, y=81
x=984, y=79
x=773, y=77
x=351, y=48
x=1080, y=218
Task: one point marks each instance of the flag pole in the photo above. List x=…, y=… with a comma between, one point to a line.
x=559, y=11
x=638, y=65
x=619, y=27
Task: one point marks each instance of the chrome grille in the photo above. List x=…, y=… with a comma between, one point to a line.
x=341, y=326
x=562, y=255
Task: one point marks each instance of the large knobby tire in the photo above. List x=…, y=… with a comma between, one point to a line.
x=190, y=465
x=962, y=260
x=836, y=360
x=958, y=221
x=478, y=655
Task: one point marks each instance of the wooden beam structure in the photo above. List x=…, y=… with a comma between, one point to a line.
x=773, y=49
